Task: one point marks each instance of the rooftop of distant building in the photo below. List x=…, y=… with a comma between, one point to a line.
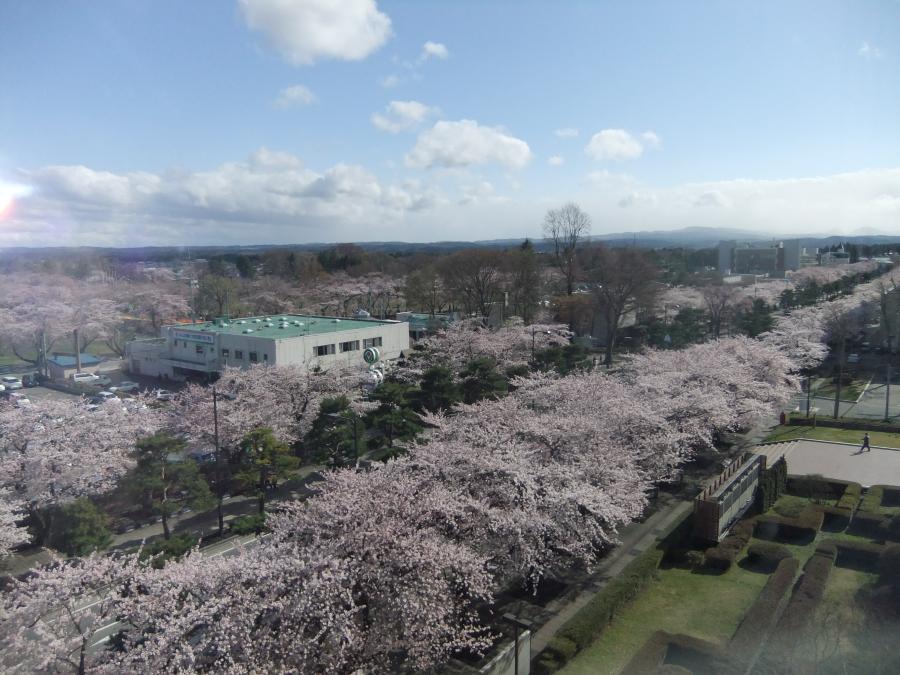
x=277, y=326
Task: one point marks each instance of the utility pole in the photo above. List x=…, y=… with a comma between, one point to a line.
x=808, y=393
x=219, y=507
x=887, y=382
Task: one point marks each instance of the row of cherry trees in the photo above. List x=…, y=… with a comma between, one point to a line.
x=395, y=567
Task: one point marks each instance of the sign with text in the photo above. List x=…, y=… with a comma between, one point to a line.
x=194, y=336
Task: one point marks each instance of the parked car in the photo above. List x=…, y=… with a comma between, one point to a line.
x=11, y=382
x=31, y=380
x=102, y=381
x=164, y=395
x=853, y=358
x=104, y=395
x=126, y=386
x=84, y=378
x=18, y=399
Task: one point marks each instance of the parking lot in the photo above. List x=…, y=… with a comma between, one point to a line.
x=111, y=368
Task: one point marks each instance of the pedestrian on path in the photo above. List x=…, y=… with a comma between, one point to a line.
x=865, y=445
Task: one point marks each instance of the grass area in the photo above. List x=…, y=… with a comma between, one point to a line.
x=854, y=436
x=708, y=606
x=825, y=388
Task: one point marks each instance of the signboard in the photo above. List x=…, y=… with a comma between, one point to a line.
x=194, y=336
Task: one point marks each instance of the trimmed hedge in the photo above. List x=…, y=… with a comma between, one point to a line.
x=772, y=483
x=869, y=524
x=561, y=649
x=871, y=501
x=860, y=555
x=586, y=626
x=845, y=423
x=817, y=487
x=803, y=527
x=806, y=596
x=664, y=649
x=889, y=565
x=761, y=616
x=722, y=555
x=767, y=554
x=890, y=528
x=850, y=497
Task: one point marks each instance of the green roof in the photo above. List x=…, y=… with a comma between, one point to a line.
x=279, y=325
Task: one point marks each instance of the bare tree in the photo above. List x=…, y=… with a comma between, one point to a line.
x=565, y=227
x=841, y=324
x=473, y=278
x=624, y=280
x=524, y=280
x=720, y=300
x=425, y=290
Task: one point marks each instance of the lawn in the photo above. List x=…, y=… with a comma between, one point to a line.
x=854, y=436
x=849, y=392
x=708, y=606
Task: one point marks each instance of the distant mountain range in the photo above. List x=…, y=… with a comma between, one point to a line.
x=688, y=237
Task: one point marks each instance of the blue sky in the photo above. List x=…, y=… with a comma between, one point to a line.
x=271, y=121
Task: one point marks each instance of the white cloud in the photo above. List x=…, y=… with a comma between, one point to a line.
x=402, y=116
x=294, y=97
x=869, y=52
x=465, y=143
x=616, y=145
x=434, y=50
x=390, y=81
x=270, y=197
x=712, y=198
x=477, y=192
x=651, y=140
x=633, y=199
x=304, y=31
x=568, y=132
x=556, y=160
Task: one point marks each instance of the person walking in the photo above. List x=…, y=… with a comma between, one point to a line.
x=865, y=445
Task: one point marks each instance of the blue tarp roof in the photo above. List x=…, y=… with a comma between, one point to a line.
x=69, y=361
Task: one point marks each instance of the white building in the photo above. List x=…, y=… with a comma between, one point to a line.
x=309, y=341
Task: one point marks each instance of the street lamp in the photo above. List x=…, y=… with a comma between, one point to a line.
x=518, y=625
x=887, y=382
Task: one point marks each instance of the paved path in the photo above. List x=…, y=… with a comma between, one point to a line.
x=636, y=538
x=842, y=461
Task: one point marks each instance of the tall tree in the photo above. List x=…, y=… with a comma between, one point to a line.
x=524, y=278
x=263, y=459
x=425, y=290
x=338, y=434
x=565, y=228
x=473, y=277
x=720, y=300
x=624, y=279
x=164, y=479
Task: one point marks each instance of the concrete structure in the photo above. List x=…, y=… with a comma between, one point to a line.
x=203, y=349
x=771, y=257
x=721, y=504
x=63, y=366
x=839, y=461
x=831, y=258
x=421, y=324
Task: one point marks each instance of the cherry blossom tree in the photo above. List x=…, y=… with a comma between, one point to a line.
x=56, y=451
x=50, y=621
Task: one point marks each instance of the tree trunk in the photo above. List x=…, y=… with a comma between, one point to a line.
x=262, y=491
x=840, y=381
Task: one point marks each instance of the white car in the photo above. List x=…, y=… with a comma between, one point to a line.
x=102, y=381
x=105, y=395
x=84, y=378
x=11, y=382
x=164, y=395
x=19, y=399
x=126, y=386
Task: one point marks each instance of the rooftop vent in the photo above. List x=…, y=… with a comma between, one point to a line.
x=248, y=330
x=256, y=320
x=335, y=321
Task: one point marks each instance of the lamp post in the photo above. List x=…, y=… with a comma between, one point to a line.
x=518, y=625
x=887, y=381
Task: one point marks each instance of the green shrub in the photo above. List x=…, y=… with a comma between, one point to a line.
x=767, y=554
x=868, y=524
x=850, y=497
x=860, y=555
x=794, y=530
x=79, y=528
x=561, y=648
x=163, y=550
x=253, y=524
x=586, y=626
x=758, y=620
x=806, y=597
x=545, y=664
x=685, y=653
x=722, y=556
x=871, y=501
x=890, y=528
x=889, y=566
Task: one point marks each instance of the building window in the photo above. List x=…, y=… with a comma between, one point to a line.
x=224, y=353
x=253, y=357
x=324, y=350
x=199, y=349
x=351, y=346
x=372, y=342
x=238, y=354
x=265, y=357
